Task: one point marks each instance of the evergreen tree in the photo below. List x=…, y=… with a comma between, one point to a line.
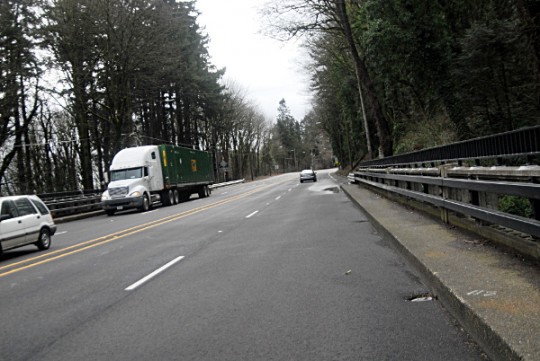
x=19, y=89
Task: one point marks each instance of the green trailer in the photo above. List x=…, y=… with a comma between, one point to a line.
x=186, y=170
x=184, y=165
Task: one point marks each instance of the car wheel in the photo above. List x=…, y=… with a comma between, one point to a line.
x=44, y=239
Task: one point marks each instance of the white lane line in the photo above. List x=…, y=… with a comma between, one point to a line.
x=252, y=214
x=153, y=274
x=59, y=233
x=277, y=198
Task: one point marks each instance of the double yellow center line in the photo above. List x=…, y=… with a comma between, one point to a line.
x=86, y=245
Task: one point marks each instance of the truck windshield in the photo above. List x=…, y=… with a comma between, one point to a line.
x=131, y=173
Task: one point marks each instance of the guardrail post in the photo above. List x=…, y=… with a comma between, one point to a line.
x=443, y=171
x=535, y=205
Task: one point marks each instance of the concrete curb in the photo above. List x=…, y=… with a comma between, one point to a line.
x=225, y=184
x=454, y=276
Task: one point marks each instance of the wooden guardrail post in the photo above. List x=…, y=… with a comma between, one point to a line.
x=535, y=205
x=443, y=173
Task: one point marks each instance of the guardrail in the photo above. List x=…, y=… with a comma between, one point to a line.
x=88, y=202
x=225, y=184
x=474, y=197
x=523, y=142
x=70, y=203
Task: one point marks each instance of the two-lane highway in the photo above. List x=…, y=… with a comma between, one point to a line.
x=267, y=270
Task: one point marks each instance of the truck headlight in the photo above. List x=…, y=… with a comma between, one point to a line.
x=105, y=196
x=136, y=194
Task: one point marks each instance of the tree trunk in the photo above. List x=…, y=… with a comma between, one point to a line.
x=364, y=81
x=81, y=119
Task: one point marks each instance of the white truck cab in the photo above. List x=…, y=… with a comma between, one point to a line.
x=135, y=173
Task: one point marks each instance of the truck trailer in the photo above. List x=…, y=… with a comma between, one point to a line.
x=142, y=176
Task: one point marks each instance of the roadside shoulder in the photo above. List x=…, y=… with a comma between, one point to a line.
x=495, y=296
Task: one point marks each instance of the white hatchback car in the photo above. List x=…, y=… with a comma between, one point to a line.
x=25, y=220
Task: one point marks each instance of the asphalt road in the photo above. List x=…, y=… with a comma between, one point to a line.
x=267, y=270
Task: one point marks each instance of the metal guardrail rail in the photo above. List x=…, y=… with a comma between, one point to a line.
x=69, y=203
x=438, y=177
x=522, y=142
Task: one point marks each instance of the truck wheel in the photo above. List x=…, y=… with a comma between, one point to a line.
x=145, y=204
x=176, y=199
x=170, y=196
x=204, y=192
x=44, y=239
x=166, y=198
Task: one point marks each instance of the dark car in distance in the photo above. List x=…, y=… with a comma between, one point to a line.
x=308, y=174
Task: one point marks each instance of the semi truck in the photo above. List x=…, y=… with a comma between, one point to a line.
x=142, y=176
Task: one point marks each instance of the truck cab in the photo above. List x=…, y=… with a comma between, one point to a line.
x=135, y=173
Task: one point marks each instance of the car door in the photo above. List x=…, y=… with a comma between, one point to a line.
x=30, y=217
x=12, y=227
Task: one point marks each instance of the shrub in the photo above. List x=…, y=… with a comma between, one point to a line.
x=515, y=205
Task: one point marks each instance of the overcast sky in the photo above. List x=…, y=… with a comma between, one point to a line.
x=266, y=69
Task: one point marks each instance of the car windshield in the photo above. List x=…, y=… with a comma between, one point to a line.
x=307, y=171
x=130, y=173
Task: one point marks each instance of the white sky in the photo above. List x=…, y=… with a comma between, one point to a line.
x=267, y=70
